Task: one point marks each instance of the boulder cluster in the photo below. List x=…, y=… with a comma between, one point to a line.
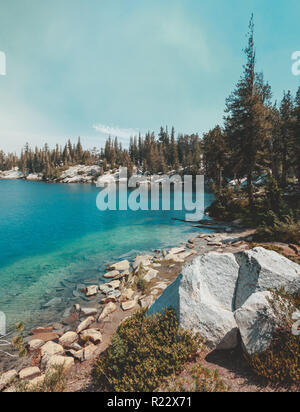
x=225, y=296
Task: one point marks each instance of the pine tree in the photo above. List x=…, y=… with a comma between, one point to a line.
x=248, y=121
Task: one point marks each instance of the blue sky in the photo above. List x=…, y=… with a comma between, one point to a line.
x=94, y=67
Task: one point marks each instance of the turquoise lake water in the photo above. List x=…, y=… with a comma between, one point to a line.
x=53, y=237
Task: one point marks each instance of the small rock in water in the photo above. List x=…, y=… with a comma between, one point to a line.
x=91, y=290
x=120, y=266
x=112, y=274
x=52, y=303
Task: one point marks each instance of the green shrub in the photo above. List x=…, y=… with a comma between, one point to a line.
x=281, y=362
x=144, y=351
x=141, y=284
x=197, y=379
x=55, y=382
x=286, y=232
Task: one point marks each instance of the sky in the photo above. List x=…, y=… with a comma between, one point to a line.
x=94, y=68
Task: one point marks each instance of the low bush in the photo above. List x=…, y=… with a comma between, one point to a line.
x=285, y=232
x=281, y=362
x=144, y=351
x=197, y=379
x=55, y=382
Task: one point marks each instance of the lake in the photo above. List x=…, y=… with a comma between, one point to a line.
x=53, y=238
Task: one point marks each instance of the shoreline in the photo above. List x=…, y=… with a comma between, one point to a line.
x=162, y=269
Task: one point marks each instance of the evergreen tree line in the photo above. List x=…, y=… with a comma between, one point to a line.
x=149, y=154
x=257, y=136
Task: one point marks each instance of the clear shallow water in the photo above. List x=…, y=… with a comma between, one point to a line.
x=53, y=237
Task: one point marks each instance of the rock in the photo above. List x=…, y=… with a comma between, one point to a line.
x=90, y=352
x=215, y=244
x=150, y=275
x=58, y=326
x=110, y=308
x=70, y=320
x=77, y=308
x=6, y=378
x=91, y=335
x=173, y=258
x=214, y=286
x=156, y=265
x=53, y=303
x=104, y=289
x=89, y=311
x=114, y=294
x=203, y=297
x=177, y=250
x=160, y=285
x=37, y=331
x=128, y=305
x=51, y=349
x=127, y=295
x=46, y=337
x=91, y=291
x=115, y=284
x=120, y=266
x=256, y=322
x=146, y=301
x=35, y=344
x=185, y=255
x=164, y=253
x=78, y=355
x=75, y=346
x=38, y=381
x=143, y=261
x=108, y=299
x=111, y=275
x=85, y=324
x=68, y=339
x=57, y=360
x=29, y=373
x=262, y=270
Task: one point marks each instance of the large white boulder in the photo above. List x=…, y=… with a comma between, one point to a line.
x=210, y=290
x=262, y=270
x=256, y=322
x=203, y=297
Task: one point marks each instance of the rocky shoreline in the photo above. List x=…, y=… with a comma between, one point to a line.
x=86, y=329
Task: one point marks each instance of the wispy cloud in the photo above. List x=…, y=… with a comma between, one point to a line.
x=115, y=131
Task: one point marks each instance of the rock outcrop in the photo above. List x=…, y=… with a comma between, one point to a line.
x=218, y=295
